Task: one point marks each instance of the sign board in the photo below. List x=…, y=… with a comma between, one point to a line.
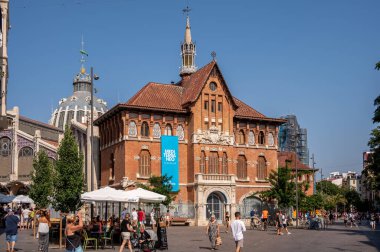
x=169, y=160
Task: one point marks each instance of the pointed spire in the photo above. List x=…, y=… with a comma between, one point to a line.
x=187, y=49
x=188, y=31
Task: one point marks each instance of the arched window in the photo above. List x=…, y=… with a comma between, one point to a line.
x=132, y=129
x=261, y=137
x=202, y=163
x=241, y=137
x=5, y=146
x=180, y=133
x=261, y=168
x=241, y=167
x=213, y=163
x=156, y=130
x=224, y=164
x=270, y=139
x=25, y=152
x=144, y=164
x=251, y=138
x=168, y=130
x=144, y=129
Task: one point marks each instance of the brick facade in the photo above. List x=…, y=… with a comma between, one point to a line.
x=227, y=151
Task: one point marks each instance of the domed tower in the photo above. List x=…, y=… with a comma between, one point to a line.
x=77, y=107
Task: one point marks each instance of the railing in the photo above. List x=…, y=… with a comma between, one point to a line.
x=219, y=178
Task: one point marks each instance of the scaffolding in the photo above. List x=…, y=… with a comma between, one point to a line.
x=293, y=138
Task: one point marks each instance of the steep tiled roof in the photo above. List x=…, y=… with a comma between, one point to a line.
x=194, y=83
x=289, y=157
x=246, y=111
x=158, y=96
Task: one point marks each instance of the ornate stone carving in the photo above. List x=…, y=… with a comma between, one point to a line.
x=212, y=136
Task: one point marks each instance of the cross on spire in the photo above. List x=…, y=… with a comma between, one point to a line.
x=186, y=10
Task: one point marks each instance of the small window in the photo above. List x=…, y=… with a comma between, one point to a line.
x=261, y=138
x=220, y=107
x=144, y=129
x=251, y=138
x=5, y=146
x=213, y=106
x=261, y=168
x=241, y=137
x=212, y=86
x=224, y=164
x=144, y=164
x=168, y=130
x=270, y=139
x=202, y=163
x=206, y=105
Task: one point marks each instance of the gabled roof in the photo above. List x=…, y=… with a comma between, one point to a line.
x=288, y=158
x=177, y=97
x=246, y=111
x=194, y=83
x=157, y=95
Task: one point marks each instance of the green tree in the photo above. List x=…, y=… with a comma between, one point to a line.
x=68, y=181
x=282, y=188
x=352, y=198
x=312, y=202
x=41, y=189
x=161, y=185
x=328, y=188
x=373, y=169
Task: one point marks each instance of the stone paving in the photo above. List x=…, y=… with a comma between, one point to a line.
x=335, y=238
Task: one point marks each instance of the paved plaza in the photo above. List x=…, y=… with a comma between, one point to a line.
x=335, y=238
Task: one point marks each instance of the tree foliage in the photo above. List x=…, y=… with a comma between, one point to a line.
x=282, y=188
x=328, y=188
x=41, y=188
x=373, y=169
x=161, y=185
x=68, y=181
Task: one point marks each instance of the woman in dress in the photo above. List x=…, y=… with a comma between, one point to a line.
x=213, y=231
x=73, y=242
x=43, y=231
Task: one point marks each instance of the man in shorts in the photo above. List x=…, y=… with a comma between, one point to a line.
x=238, y=227
x=11, y=223
x=264, y=218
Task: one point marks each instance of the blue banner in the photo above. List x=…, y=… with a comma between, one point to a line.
x=169, y=160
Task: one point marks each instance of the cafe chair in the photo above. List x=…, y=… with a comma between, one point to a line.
x=88, y=240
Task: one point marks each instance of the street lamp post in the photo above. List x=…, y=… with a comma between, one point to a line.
x=92, y=129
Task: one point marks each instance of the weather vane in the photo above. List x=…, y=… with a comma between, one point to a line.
x=213, y=55
x=186, y=10
x=83, y=53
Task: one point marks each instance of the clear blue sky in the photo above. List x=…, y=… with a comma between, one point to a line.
x=314, y=59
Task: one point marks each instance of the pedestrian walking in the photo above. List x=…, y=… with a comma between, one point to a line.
x=123, y=213
x=227, y=220
x=285, y=223
x=238, y=227
x=43, y=231
x=372, y=221
x=134, y=214
x=167, y=218
x=212, y=231
x=345, y=216
x=153, y=218
x=11, y=223
x=126, y=231
x=73, y=240
x=279, y=223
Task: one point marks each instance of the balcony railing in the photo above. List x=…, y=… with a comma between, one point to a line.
x=215, y=178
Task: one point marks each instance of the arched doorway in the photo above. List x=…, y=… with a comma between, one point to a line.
x=215, y=205
x=250, y=203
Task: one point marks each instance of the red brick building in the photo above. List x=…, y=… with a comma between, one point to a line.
x=226, y=148
x=305, y=173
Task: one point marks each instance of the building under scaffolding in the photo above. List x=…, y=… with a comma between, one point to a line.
x=294, y=138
